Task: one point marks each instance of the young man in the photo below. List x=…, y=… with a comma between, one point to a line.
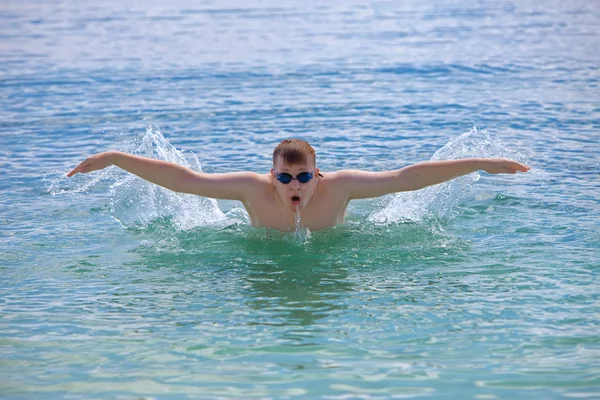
x=295, y=185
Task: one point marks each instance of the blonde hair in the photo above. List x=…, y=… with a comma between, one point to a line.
x=294, y=151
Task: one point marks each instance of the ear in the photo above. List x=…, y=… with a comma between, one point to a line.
x=317, y=171
x=273, y=178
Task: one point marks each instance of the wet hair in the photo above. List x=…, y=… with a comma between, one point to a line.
x=294, y=151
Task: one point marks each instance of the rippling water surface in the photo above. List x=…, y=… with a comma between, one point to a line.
x=484, y=287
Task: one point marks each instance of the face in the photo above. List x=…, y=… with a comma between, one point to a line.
x=294, y=195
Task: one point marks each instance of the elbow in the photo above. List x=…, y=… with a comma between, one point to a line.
x=408, y=180
x=184, y=183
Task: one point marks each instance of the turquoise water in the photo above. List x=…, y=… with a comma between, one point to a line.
x=484, y=287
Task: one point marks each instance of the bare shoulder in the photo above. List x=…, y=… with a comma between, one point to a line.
x=253, y=182
x=231, y=185
x=336, y=176
x=358, y=184
x=250, y=176
x=340, y=183
x=238, y=178
x=348, y=176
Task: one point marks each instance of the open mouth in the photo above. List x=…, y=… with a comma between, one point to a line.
x=295, y=200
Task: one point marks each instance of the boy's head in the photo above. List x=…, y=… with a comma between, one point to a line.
x=293, y=152
x=294, y=174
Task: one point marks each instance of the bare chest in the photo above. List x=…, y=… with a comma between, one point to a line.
x=320, y=213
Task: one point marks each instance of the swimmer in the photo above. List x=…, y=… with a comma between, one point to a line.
x=295, y=187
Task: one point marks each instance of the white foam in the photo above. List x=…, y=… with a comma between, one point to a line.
x=438, y=201
x=136, y=203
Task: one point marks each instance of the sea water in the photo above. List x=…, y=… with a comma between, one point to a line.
x=483, y=287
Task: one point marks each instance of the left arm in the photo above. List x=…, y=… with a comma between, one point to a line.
x=363, y=184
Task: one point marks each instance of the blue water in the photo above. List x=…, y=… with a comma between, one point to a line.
x=484, y=287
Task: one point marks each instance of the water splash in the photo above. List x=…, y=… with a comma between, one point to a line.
x=438, y=201
x=59, y=184
x=297, y=218
x=136, y=203
x=300, y=235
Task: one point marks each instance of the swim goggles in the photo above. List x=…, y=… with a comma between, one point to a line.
x=302, y=177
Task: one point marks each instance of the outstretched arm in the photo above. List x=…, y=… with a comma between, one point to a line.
x=232, y=186
x=362, y=184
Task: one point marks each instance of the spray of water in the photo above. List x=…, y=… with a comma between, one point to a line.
x=136, y=203
x=301, y=235
x=437, y=202
x=297, y=218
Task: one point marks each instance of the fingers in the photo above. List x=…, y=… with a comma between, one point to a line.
x=507, y=166
x=73, y=172
x=78, y=169
x=514, y=166
x=521, y=167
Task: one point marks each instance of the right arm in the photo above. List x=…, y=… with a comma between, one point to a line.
x=231, y=186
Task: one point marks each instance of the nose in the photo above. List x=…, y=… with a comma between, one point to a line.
x=295, y=185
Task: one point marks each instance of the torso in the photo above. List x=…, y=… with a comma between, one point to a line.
x=324, y=210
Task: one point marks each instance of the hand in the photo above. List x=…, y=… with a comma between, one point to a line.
x=503, y=166
x=93, y=163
